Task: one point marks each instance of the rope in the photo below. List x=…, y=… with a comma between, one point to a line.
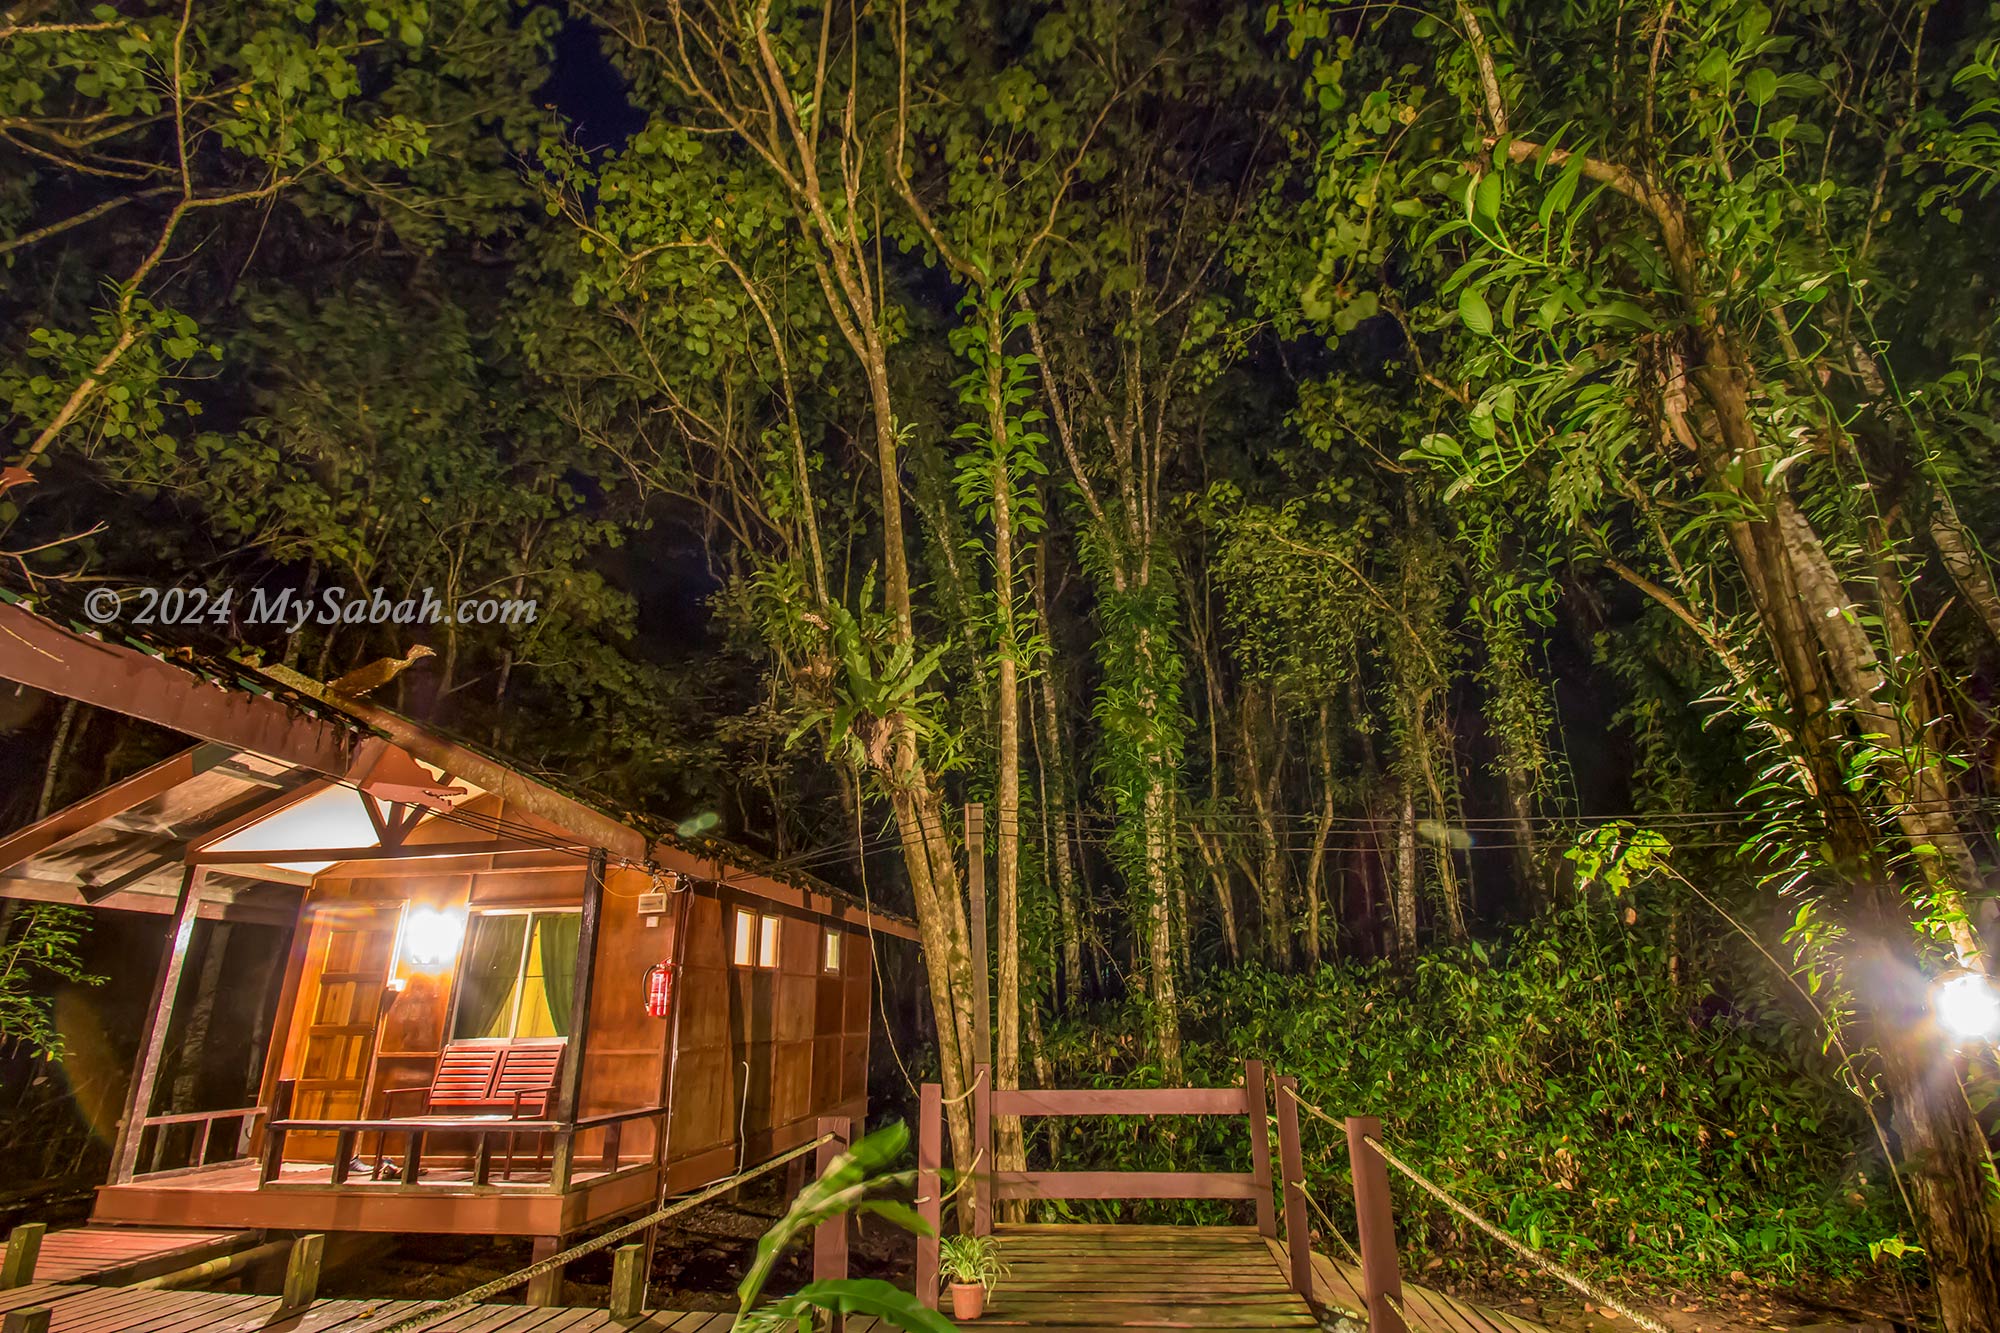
x=965, y=1178
x=555, y=1261
x=1331, y=1225
x=1535, y=1257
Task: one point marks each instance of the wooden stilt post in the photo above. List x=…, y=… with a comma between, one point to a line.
x=930, y=1189
x=1375, y=1220
x=1260, y=1145
x=271, y=1165
x=159, y=1017
x=982, y=1143
x=830, y=1236
x=35, y=1319
x=546, y=1288
x=24, y=1247
x=975, y=885
x=1292, y=1171
x=628, y=1282
x=302, y=1274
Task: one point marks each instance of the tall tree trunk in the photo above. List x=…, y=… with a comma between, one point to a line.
x=1525, y=851
x=1056, y=797
x=1966, y=565
x=1451, y=896
x=1009, y=1146
x=1163, y=993
x=1823, y=654
x=1217, y=864
x=1316, y=869
x=1403, y=893
x=58, y=758
x=1262, y=758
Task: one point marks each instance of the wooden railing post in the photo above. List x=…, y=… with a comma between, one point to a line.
x=1375, y=1220
x=830, y=1236
x=628, y=1282
x=302, y=1274
x=982, y=1141
x=35, y=1319
x=273, y=1164
x=1260, y=1145
x=24, y=1247
x=1292, y=1169
x=930, y=1189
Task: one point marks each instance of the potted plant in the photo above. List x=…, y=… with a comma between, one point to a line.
x=971, y=1264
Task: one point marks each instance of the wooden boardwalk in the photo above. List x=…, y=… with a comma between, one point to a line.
x=1074, y=1277
x=86, y=1309
x=113, y=1256
x=1338, y=1286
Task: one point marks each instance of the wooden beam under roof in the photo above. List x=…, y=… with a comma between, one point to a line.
x=272, y=912
x=40, y=653
x=147, y=783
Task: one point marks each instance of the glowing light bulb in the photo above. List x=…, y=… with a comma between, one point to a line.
x=1967, y=1005
x=431, y=938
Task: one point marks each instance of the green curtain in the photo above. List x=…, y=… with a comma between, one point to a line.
x=556, y=934
x=492, y=970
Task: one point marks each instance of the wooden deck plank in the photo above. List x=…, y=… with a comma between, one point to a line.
x=1426, y=1311
x=117, y=1255
x=209, y=1314
x=1086, y=1277
x=98, y=1310
x=35, y=1293
x=206, y=1314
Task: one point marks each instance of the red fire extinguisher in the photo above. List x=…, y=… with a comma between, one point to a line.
x=659, y=990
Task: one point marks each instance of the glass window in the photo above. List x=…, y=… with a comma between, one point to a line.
x=518, y=977
x=746, y=938
x=767, y=943
x=831, y=962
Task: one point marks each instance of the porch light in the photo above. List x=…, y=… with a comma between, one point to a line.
x=431, y=938
x=1967, y=1005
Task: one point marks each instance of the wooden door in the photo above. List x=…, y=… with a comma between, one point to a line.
x=333, y=1039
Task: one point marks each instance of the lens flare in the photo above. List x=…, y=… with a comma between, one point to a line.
x=431, y=938
x=1967, y=1006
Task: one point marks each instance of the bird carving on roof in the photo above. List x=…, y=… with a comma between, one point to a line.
x=362, y=680
x=366, y=679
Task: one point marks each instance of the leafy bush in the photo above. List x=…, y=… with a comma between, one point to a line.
x=1576, y=1082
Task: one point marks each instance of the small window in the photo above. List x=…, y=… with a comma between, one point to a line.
x=518, y=977
x=831, y=962
x=756, y=942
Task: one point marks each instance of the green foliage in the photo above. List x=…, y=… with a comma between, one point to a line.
x=38, y=946
x=844, y=1187
x=968, y=1259
x=1607, y=1083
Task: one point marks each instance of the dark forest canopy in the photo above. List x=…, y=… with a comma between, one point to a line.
x=1300, y=469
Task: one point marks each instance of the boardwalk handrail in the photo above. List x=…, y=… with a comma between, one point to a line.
x=1246, y=1100
x=989, y=1184
x=555, y=1262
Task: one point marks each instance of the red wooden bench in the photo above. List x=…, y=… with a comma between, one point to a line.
x=516, y=1079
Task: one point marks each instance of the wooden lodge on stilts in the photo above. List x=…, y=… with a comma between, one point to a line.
x=503, y=1012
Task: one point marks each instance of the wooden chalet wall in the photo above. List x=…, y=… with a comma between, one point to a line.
x=767, y=1049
